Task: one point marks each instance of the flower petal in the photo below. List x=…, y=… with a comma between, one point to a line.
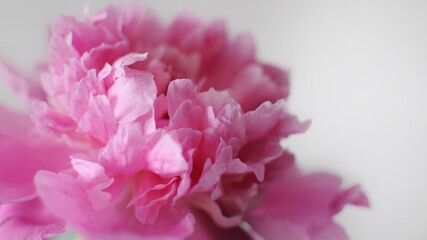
x=132, y=96
x=271, y=120
x=27, y=89
x=71, y=199
x=98, y=121
x=28, y=220
x=23, y=154
x=309, y=201
x=270, y=228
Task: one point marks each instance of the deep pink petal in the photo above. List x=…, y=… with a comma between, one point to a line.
x=28, y=220
x=353, y=195
x=330, y=232
x=280, y=77
x=309, y=201
x=252, y=86
x=270, y=228
x=231, y=60
x=24, y=153
x=271, y=120
x=205, y=203
x=189, y=34
x=206, y=229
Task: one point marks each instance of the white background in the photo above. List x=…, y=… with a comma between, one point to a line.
x=359, y=71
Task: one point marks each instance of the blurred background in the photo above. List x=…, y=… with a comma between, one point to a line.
x=358, y=70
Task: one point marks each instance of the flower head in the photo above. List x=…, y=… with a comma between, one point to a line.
x=154, y=132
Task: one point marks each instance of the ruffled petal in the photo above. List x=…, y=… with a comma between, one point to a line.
x=71, y=199
x=98, y=121
x=130, y=151
x=271, y=120
x=132, y=96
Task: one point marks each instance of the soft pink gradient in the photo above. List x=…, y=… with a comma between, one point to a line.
x=154, y=132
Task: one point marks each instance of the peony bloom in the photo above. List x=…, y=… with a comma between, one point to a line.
x=141, y=131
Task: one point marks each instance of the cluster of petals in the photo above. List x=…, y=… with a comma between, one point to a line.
x=141, y=131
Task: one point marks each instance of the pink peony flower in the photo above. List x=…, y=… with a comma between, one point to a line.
x=141, y=131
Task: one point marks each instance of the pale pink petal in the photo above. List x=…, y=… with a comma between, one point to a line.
x=58, y=86
x=127, y=60
x=179, y=91
x=49, y=120
x=79, y=100
x=68, y=197
x=221, y=114
x=130, y=151
x=81, y=93
x=152, y=193
x=187, y=115
x=165, y=157
x=83, y=35
x=103, y=54
x=99, y=120
x=125, y=151
x=226, y=117
x=26, y=88
x=132, y=96
x=87, y=170
x=60, y=53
